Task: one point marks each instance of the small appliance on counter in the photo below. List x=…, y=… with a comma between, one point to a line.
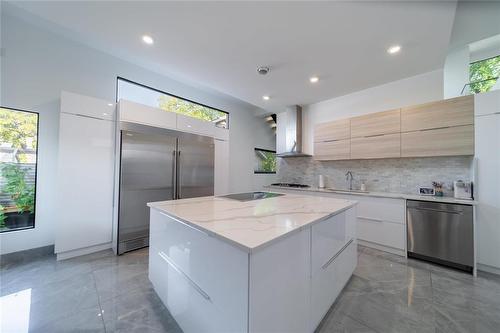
x=425, y=190
x=321, y=181
x=463, y=190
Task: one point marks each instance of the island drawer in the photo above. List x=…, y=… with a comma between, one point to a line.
x=179, y=252
x=328, y=282
x=330, y=236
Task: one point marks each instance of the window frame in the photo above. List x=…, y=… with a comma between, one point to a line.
x=265, y=172
x=470, y=82
x=36, y=168
x=120, y=78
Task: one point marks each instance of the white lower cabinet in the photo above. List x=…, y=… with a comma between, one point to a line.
x=209, y=285
x=381, y=222
x=202, y=281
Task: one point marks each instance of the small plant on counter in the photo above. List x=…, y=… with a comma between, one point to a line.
x=438, y=189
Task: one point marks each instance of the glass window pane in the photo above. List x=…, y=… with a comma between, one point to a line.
x=18, y=156
x=265, y=161
x=484, y=75
x=152, y=97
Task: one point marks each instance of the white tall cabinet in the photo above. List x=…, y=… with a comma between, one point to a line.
x=487, y=184
x=85, y=175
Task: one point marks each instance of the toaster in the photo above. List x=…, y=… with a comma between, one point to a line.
x=463, y=190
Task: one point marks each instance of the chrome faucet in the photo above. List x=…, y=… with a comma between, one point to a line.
x=349, y=178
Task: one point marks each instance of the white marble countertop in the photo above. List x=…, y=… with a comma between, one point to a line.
x=251, y=225
x=380, y=195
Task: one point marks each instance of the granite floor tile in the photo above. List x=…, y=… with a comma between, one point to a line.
x=101, y=292
x=138, y=311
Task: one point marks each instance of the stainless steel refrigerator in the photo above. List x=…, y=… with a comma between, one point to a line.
x=156, y=165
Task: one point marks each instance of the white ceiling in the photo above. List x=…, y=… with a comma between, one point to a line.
x=220, y=44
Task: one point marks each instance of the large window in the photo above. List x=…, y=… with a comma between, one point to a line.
x=265, y=161
x=18, y=156
x=483, y=75
x=149, y=96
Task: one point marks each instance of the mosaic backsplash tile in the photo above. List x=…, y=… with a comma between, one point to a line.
x=399, y=175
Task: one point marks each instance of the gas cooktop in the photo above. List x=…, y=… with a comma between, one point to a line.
x=290, y=185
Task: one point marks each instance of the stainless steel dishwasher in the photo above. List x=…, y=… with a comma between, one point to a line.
x=442, y=233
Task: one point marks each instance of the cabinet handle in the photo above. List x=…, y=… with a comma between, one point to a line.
x=191, y=282
x=373, y=136
x=370, y=218
x=330, y=140
x=184, y=223
x=332, y=259
x=435, y=128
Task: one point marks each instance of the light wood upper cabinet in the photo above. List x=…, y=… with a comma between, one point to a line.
x=386, y=122
x=333, y=130
x=332, y=150
x=381, y=146
x=451, y=112
x=450, y=141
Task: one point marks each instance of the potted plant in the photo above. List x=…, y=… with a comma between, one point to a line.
x=21, y=193
x=3, y=217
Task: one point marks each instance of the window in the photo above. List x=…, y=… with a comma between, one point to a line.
x=483, y=75
x=265, y=161
x=18, y=157
x=145, y=95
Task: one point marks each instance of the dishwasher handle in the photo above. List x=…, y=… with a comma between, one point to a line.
x=438, y=210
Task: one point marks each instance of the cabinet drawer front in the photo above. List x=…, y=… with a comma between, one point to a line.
x=386, y=122
x=452, y=141
x=451, y=112
x=332, y=150
x=192, y=308
x=328, y=283
x=333, y=130
x=382, y=209
x=329, y=236
x=383, y=146
x=214, y=266
x=381, y=232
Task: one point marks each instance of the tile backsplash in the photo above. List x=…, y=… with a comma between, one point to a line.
x=401, y=175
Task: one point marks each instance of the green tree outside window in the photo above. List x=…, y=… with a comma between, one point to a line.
x=484, y=74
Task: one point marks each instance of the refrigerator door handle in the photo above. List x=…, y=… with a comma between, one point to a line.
x=179, y=175
x=174, y=175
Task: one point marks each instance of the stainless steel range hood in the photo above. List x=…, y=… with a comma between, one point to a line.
x=289, y=133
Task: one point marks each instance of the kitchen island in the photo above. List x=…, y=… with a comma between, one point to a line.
x=269, y=265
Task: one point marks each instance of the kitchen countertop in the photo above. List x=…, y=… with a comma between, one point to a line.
x=380, y=195
x=251, y=225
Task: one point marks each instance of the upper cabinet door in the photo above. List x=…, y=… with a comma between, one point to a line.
x=79, y=105
x=386, y=122
x=146, y=115
x=333, y=130
x=193, y=125
x=457, y=111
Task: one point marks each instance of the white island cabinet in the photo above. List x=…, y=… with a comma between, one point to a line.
x=269, y=265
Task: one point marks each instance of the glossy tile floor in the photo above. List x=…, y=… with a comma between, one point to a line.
x=105, y=293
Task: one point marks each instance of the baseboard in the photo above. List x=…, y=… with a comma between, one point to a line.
x=81, y=252
x=26, y=255
x=488, y=269
x=382, y=248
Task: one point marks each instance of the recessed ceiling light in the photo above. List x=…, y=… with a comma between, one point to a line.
x=148, y=39
x=110, y=104
x=265, y=97
x=313, y=79
x=394, y=49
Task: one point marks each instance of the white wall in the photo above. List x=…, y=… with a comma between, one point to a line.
x=456, y=72
x=37, y=65
x=414, y=90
